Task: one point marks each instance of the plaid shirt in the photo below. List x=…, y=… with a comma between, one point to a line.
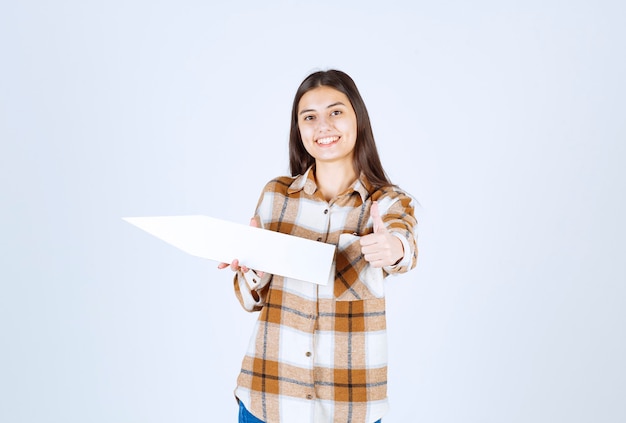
x=318, y=353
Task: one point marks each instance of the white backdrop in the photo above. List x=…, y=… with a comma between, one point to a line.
x=506, y=119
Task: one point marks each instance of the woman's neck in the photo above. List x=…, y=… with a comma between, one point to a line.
x=333, y=179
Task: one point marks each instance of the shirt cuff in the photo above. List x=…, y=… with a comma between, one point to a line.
x=245, y=289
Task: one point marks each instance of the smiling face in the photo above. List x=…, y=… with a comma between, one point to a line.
x=328, y=126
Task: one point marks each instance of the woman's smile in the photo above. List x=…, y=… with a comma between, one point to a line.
x=327, y=140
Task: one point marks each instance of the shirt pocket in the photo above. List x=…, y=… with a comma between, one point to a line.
x=355, y=279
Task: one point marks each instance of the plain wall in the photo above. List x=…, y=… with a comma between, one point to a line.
x=505, y=119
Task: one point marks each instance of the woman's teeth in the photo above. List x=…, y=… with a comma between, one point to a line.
x=327, y=140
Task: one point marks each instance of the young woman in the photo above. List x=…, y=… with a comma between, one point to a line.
x=318, y=353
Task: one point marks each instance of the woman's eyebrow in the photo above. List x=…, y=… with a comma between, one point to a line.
x=338, y=103
x=305, y=111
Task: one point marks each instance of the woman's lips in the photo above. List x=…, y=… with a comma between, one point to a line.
x=327, y=140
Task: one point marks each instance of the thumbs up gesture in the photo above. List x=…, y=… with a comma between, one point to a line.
x=381, y=248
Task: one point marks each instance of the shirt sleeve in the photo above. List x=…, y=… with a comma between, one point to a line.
x=397, y=212
x=245, y=283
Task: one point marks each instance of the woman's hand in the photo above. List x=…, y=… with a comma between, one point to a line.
x=234, y=266
x=381, y=248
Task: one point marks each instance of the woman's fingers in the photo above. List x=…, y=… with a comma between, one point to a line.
x=235, y=266
x=381, y=249
x=376, y=250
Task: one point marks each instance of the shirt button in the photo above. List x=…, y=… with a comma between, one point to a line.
x=325, y=211
x=309, y=396
x=308, y=354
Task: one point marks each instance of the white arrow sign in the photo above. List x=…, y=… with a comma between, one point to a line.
x=258, y=249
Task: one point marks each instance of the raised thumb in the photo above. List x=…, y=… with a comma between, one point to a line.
x=379, y=225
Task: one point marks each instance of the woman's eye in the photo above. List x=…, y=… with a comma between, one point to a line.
x=309, y=117
x=335, y=112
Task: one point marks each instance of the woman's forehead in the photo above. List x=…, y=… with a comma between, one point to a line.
x=322, y=97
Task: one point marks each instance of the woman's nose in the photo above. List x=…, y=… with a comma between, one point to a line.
x=323, y=123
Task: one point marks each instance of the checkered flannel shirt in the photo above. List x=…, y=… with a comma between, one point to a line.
x=318, y=353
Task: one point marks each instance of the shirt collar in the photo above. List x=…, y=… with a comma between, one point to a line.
x=306, y=182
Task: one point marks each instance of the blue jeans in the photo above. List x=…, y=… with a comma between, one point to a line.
x=246, y=417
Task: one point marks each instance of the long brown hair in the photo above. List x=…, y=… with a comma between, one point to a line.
x=366, y=159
